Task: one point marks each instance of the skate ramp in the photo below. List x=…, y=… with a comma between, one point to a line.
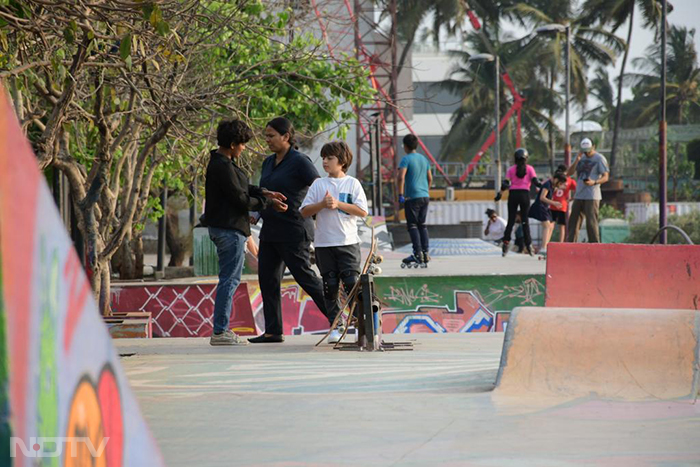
x=619, y=354
x=623, y=276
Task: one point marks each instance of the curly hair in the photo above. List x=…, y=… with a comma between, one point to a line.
x=340, y=150
x=233, y=132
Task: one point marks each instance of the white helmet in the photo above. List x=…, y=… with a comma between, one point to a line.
x=586, y=144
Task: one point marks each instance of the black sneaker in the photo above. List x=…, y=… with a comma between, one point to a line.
x=504, y=247
x=530, y=251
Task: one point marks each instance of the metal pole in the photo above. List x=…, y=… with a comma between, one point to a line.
x=662, y=130
x=193, y=212
x=160, y=267
x=567, y=144
x=378, y=152
x=372, y=151
x=497, y=146
x=394, y=109
x=359, y=139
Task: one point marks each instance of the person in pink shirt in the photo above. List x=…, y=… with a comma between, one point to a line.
x=519, y=178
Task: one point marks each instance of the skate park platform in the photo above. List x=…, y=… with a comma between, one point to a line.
x=467, y=287
x=294, y=404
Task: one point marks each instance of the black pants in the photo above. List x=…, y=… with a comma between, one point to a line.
x=272, y=258
x=518, y=200
x=416, y=212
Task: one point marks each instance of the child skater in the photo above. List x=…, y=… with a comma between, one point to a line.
x=337, y=201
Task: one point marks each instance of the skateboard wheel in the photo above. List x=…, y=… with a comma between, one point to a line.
x=377, y=270
x=378, y=259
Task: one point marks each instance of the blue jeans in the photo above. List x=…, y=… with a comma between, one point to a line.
x=230, y=248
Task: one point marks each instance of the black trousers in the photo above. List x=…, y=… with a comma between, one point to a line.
x=416, y=213
x=272, y=258
x=518, y=200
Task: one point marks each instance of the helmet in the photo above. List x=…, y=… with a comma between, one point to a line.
x=586, y=144
x=521, y=154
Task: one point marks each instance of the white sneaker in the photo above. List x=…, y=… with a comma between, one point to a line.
x=334, y=336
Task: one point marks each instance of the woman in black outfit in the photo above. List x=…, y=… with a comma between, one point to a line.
x=519, y=178
x=285, y=238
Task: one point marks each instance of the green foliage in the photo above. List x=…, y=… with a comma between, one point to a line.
x=679, y=169
x=693, y=153
x=690, y=224
x=607, y=211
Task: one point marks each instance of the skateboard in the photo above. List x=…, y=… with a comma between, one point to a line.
x=369, y=267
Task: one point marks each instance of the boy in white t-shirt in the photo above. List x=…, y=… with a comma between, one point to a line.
x=337, y=201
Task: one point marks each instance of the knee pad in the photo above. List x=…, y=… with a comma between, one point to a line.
x=349, y=278
x=331, y=285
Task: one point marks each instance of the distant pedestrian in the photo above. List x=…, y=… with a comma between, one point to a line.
x=592, y=171
x=415, y=177
x=541, y=208
x=285, y=237
x=562, y=195
x=519, y=178
x=337, y=201
x=495, y=226
x=228, y=200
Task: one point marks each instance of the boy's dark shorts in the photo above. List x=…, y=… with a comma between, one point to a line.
x=559, y=217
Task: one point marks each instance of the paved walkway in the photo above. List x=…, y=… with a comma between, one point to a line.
x=293, y=404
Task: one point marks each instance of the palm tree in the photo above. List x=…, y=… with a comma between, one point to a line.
x=617, y=12
x=473, y=121
x=601, y=88
x=589, y=46
x=683, y=79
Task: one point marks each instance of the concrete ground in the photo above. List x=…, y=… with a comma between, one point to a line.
x=294, y=404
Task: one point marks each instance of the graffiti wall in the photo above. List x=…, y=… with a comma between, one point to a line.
x=455, y=303
x=70, y=403
x=420, y=304
x=184, y=310
x=410, y=305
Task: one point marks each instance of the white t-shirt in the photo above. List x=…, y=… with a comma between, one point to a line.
x=333, y=226
x=496, y=229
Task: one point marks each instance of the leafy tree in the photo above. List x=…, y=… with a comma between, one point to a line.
x=683, y=79
x=119, y=95
x=590, y=46
x=601, y=88
x=616, y=13
x=690, y=224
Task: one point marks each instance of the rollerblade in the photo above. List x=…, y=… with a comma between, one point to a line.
x=412, y=261
x=504, y=247
x=425, y=259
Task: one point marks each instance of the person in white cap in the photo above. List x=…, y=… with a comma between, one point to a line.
x=591, y=172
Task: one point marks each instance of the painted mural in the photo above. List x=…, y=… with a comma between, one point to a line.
x=420, y=304
x=184, y=310
x=410, y=305
x=70, y=402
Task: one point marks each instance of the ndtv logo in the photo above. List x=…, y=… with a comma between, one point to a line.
x=38, y=446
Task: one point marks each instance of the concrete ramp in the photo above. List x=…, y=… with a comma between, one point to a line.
x=620, y=354
x=623, y=276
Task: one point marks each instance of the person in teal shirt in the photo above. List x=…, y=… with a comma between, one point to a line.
x=414, y=184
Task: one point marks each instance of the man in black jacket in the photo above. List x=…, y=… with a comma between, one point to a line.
x=229, y=198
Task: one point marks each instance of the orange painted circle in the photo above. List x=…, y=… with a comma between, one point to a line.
x=85, y=421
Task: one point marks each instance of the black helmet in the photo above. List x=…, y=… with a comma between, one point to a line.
x=521, y=154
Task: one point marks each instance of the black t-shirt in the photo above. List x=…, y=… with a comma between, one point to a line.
x=228, y=196
x=291, y=177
